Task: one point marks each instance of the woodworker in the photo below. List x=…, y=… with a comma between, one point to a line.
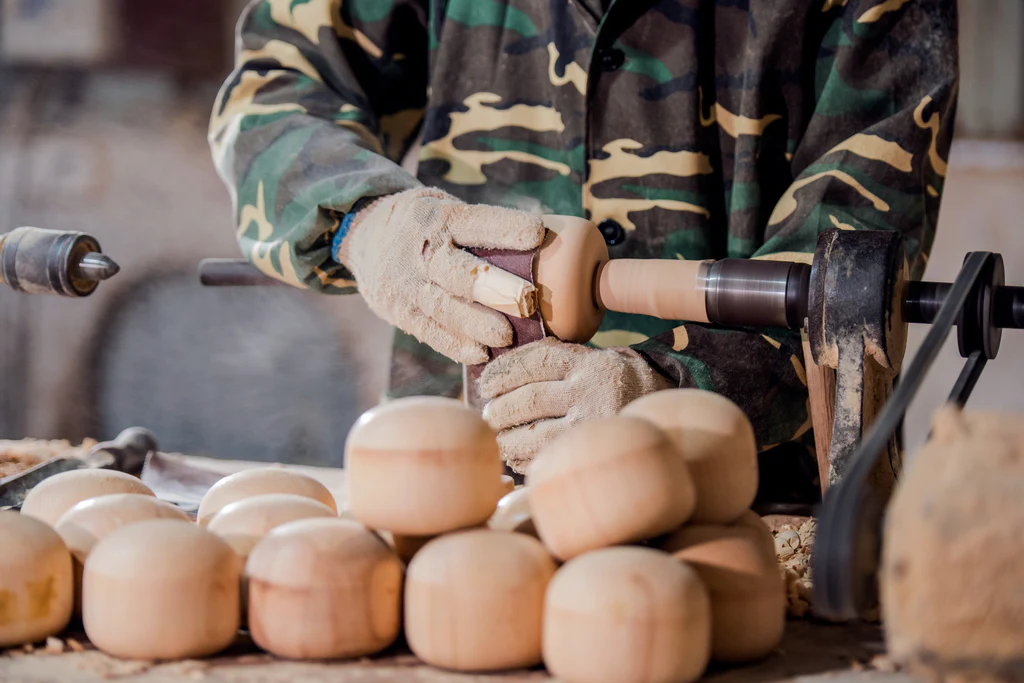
x=686, y=129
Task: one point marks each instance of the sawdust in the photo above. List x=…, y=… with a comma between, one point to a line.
x=54, y=646
x=104, y=666
x=18, y=456
x=794, y=544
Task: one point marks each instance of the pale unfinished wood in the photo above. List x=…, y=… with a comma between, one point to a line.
x=32, y=558
x=605, y=482
x=717, y=441
x=821, y=391
x=261, y=481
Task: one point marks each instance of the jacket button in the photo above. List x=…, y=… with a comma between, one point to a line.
x=613, y=232
x=612, y=58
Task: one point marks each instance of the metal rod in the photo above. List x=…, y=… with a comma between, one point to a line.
x=922, y=301
x=1009, y=307
x=835, y=559
x=968, y=378
x=224, y=272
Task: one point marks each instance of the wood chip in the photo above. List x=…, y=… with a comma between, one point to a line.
x=54, y=646
x=884, y=664
x=75, y=646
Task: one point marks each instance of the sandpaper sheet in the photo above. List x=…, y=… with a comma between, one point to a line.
x=524, y=330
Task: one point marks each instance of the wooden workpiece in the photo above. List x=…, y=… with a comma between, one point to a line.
x=577, y=282
x=609, y=481
x=243, y=523
x=626, y=614
x=738, y=567
x=36, y=589
x=323, y=589
x=717, y=440
x=953, y=552
x=405, y=546
x=259, y=481
x=161, y=589
x=421, y=466
x=86, y=523
x=811, y=652
x=57, y=494
x=474, y=600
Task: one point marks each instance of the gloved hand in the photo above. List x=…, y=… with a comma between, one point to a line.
x=536, y=392
x=403, y=250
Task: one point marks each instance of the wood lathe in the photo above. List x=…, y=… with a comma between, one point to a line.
x=852, y=301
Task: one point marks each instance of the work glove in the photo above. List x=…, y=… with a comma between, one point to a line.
x=539, y=390
x=404, y=252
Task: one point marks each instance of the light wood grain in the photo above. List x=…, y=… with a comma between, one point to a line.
x=821, y=390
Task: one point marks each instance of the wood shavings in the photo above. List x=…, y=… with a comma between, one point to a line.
x=54, y=646
x=188, y=668
x=103, y=666
x=794, y=543
x=75, y=646
x=884, y=664
x=18, y=456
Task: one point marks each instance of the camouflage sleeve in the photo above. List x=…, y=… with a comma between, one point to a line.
x=325, y=99
x=871, y=156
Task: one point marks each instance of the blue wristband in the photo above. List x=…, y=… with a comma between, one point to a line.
x=346, y=222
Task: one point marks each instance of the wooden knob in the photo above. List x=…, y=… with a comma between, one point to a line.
x=605, y=482
x=421, y=466
x=243, y=523
x=323, y=589
x=55, y=495
x=626, y=614
x=748, y=594
x=246, y=521
x=161, y=589
x=86, y=523
x=513, y=514
x=565, y=274
x=405, y=546
x=474, y=600
x=753, y=521
x=259, y=481
x=36, y=593
x=717, y=441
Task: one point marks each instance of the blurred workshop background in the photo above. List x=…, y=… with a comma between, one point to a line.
x=103, y=113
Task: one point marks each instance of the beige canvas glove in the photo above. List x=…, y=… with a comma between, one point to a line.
x=536, y=392
x=404, y=252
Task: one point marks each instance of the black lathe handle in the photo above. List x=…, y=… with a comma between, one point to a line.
x=226, y=272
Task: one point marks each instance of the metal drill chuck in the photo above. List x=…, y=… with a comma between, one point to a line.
x=40, y=261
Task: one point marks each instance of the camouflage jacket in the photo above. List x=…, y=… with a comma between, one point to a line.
x=687, y=129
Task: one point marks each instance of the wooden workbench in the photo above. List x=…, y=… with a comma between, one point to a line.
x=841, y=654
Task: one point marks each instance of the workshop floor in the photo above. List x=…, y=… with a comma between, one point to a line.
x=809, y=653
